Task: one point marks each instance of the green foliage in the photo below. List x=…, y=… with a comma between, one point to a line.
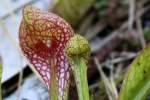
x=101, y=6
x=136, y=85
x=147, y=34
x=72, y=10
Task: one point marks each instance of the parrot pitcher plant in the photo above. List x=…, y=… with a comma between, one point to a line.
x=53, y=48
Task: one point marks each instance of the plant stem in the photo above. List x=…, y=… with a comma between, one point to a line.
x=53, y=93
x=78, y=51
x=79, y=70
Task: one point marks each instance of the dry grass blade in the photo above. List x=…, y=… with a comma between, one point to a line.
x=120, y=59
x=107, y=82
x=140, y=29
x=131, y=14
x=112, y=81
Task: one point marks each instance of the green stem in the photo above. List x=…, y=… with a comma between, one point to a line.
x=53, y=90
x=78, y=50
x=79, y=70
x=53, y=93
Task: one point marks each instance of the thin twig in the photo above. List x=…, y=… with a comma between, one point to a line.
x=131, y=14
x=115, y=38
x=94, y=85
x=140, y=29
x=107, y=83
x=120, y=59
x=112, y=81
x=140, y=32
x=94, y=30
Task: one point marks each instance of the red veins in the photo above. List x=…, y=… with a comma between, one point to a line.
x=43, y=37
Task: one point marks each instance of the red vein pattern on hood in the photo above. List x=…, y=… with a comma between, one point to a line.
x=43, y=37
